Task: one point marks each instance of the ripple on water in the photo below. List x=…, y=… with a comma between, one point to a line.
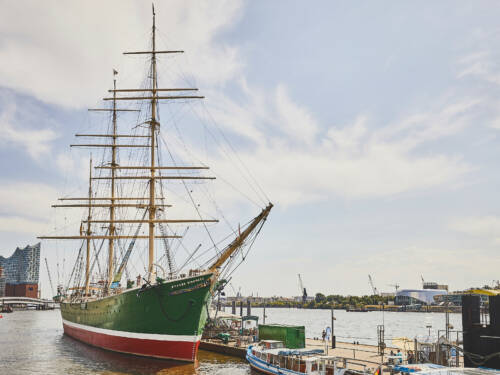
x=33, y=342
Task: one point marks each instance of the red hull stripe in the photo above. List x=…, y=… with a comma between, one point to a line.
x=134, y=335
x=168, y=349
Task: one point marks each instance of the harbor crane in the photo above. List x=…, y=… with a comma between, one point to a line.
x=396, y=286
x=423, y=281
x=237, y=294
x=50, y=278
x=375, y=291
x=302, y=290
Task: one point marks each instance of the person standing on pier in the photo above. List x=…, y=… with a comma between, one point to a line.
x=400, y=355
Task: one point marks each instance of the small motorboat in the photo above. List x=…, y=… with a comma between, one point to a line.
x=271, y=357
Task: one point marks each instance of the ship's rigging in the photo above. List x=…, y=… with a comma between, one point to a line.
x=137, y=182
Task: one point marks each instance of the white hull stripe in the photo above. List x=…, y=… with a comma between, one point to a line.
x=134, y=335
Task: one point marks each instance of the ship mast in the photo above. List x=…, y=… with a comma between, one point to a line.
x=90, y=202
x=87, y=259
x=152, y=127
x=112, y=205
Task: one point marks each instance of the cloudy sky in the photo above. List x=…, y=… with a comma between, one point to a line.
x=372, y=126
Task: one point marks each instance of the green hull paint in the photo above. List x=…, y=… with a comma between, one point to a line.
x=175, y=307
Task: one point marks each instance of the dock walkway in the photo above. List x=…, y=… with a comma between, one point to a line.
x=367, y=355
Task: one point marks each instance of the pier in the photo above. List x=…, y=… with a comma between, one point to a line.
x=365, y=355
x=27, y=302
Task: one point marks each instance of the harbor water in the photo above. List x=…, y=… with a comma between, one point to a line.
x=362, y=326
x=32, y=342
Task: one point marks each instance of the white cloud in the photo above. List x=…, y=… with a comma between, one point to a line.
x=483, y=226
x=16, y=224
x=73, y=163
x=447, y=120
x=26, y=208
x=312, y=160
x=297, y=162
x=495, y=123
x=26, y=199
x=295, y=120
x=34, y=141
x=65, y=54
x=483, y=59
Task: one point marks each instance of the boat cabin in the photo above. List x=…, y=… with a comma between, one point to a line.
x=270, y=356
x=271, y=344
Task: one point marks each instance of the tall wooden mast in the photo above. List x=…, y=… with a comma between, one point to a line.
x=112, y=205
x=152, y=126
x=87, y=258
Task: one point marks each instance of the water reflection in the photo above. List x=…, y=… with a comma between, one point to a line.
x=33, y=342
x=99, y=359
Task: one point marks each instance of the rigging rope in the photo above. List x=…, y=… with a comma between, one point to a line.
x=190, y=195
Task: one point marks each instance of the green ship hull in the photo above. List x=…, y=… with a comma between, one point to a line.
x=164, y=320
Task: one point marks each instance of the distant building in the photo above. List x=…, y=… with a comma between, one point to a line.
x=418, y=296
x=455, y=298
x=434, y=285
x=21, y=272
x=387, y=294
x=2, y=283
x=308, y=298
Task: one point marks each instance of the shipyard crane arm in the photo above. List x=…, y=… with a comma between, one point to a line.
x=240, y=239
x=375, y=291
x=50, y=278
x=396, y=286
x=232, y=287
x=303, y=290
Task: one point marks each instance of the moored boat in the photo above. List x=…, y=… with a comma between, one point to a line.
x=164, y=320
x=271, y=357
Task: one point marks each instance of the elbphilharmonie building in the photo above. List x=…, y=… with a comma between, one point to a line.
x=20, y=272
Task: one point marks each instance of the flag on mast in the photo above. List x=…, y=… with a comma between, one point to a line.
x=115, y=72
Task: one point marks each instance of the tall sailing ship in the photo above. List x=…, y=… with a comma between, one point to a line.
x=161, y=314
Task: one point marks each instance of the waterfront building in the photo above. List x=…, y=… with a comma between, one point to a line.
x=21, y=272
x=2, y=283
x=387, y=294
x=300, y=299
x=418, y=296
x=434, y=285
x=455, y=298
